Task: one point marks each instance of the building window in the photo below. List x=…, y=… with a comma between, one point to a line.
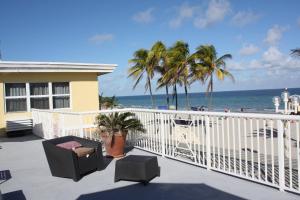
x=24, y=96
x=39, y=96
x=61, y=95
x=15, y=97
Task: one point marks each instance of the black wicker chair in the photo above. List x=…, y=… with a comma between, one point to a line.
x=65, y=163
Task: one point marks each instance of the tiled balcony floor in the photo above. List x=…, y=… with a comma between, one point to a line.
x=31, y=179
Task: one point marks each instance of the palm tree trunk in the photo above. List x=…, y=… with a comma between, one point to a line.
x=211, y=92
x=167, y=94
x=150, y=90
x=176, y=97
x=186, y=97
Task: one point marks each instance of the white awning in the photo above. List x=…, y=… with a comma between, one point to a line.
x=19, y=66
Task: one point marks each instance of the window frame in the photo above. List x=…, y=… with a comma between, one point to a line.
x=38, y=96
x=61, y=95
x=14, y=97
x=28, y=96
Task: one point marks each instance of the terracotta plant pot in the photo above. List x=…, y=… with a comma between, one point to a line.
x=116, y=149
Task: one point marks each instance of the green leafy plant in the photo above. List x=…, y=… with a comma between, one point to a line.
x=116, y=123
x=107, y=102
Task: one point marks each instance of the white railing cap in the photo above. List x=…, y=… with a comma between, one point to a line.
x=202, y=113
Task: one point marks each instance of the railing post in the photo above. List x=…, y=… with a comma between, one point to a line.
x=33, y=122
x=207, y=139
x=51, y=131
x=81, y=126
x=162, y=132
x=281, y=173
x=63, y=131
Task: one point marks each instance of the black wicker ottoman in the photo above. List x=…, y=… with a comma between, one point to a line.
x=137, y=168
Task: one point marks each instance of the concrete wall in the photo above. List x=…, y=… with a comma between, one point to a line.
x=83, y=86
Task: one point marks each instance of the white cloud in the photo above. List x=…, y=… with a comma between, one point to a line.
x=274, y=59
x=184, y=12
x=243, y=18
x=272, y=55
x=242, y=66
x=274, y=34
x=216, y=11
x=271, y=60
x=255, y=64
x=144, y=16
x=233, y=65
x=248, y=49
x=100, y=38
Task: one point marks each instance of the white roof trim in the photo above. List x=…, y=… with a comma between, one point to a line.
x=18, y=66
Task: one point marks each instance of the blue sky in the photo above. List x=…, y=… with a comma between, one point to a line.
x=259, y=34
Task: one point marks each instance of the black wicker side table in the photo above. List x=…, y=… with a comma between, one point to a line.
x=137, y=168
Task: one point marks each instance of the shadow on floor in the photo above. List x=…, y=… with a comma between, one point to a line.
x=15, y=195
x=165, y=191
x=107, y=161
x=20, y=138
x=128, y=149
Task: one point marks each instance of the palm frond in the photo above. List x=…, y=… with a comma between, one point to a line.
x=137, y=81
x=139, y=66
x=228, y=74
x=295, y=52
x=225, y=57
x=116, y=122
x=219, y=74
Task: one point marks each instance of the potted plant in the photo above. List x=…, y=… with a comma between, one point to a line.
x=113, y=129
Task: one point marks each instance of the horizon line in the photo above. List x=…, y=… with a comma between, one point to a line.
x=205, y=92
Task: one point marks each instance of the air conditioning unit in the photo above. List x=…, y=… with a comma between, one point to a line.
x=18, y=125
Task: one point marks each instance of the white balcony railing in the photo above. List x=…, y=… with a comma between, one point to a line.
x=260, y=147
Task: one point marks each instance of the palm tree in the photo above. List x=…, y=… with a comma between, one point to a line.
x=209, y=65
x=162, y=68
x=178, y=72
x=107, y=102
x=146, y=62
x=139, y=68
x=296, y=52
x=183, y=61
x=156, y=60
x=168, y=76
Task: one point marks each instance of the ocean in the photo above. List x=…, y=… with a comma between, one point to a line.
x=249, y=100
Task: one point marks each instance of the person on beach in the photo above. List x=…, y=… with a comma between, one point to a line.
x=226, y=110
x=201, y=108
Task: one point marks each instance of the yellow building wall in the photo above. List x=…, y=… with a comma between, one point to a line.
x=83, y=90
